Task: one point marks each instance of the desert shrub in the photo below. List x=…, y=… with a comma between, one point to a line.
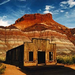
x=60, y=60
x=2, y=59
x=73, y=58
x=2, y=68
x=66, y=59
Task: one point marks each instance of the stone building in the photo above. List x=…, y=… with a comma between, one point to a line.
x=35, y=53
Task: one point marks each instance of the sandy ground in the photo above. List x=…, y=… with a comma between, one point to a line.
x=70, y=66
x=12, y=70
x=45, y=70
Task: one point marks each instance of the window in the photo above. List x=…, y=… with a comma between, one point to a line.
x=50, y=56
x=30, y=56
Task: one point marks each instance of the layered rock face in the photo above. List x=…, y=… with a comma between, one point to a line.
x=39, y=22
x=73, y=32
x=37, y=26
x=10, y=38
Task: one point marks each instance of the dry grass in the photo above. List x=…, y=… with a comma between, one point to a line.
x=2, y=59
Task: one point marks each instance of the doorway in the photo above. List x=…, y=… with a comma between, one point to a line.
x=30, y=56
x=41, y=57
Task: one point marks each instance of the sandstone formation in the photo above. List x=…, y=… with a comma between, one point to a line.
x=37, y=26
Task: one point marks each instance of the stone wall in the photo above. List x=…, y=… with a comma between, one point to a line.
x=42, y=45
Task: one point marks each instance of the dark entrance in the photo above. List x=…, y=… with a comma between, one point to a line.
x=30, y=56
x=41, y=57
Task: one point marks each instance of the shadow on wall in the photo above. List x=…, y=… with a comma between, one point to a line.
x=48, y=70
x=15, y=56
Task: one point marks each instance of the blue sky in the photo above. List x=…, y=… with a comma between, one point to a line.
x=63, y=11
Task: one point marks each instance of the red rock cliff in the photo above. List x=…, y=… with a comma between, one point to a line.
x=39, y=22
x=37, y=26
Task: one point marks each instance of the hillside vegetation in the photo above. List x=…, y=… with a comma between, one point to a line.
x=65, y=59
x=2, y=68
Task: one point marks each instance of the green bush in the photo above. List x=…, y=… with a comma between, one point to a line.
x=60, y=60
x=73, y=58
x=66, y=59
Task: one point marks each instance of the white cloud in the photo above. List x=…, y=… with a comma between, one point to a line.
x=56, y=11
x=66, y=4
x=47, y=12
x=48, y=9
x=17, y=14
x=67, y=14
x=40, y=10
x=70, y=15
x=3, y=17
x=71, y=3
x=61, y=5
x=3, y=23
x=67, y=19
x=61, y=10
x=4, y=2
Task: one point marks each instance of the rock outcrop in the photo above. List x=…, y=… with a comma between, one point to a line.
x=39, y=22
x=37, y=26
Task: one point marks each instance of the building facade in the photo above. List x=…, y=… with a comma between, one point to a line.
x=35, y=53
